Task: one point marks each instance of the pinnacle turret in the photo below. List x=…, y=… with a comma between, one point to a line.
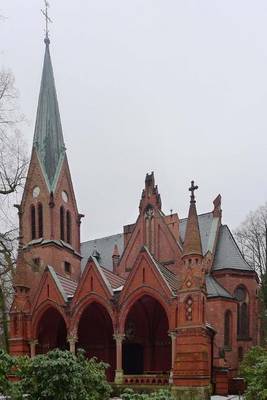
x=192, y=241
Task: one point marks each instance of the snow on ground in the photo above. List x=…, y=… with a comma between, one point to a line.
x=232, y=397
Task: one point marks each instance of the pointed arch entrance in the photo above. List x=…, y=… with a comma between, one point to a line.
x=95, y=336
x=51, y=331
x=147, y=345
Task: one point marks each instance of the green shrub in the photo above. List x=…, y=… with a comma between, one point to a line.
x=254, y=370
x=63, y=376
x=162, y=394
x=6, y=365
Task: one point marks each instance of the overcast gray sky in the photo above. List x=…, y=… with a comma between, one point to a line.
x=178, y=87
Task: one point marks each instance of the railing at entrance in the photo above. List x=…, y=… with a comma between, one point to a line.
x=146, y=379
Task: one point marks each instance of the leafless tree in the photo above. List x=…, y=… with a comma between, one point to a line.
x=252, y=239
x=13, y=165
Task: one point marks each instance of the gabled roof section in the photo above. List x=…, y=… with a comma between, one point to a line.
x=68, y=285
x=105, y=248
x=214, y=289
x=114, y=280
x=228, y=255
x=169, y=278
x=57, y=282
x=103, y=275
x=48, y=136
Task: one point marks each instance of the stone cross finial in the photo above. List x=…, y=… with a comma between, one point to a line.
x=192, y=189
x=47, y=20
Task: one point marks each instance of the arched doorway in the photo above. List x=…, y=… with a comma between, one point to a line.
x=51, y=332
x=95, y=336
x=147, y=346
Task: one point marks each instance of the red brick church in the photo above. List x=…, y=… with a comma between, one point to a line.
x=169, y=301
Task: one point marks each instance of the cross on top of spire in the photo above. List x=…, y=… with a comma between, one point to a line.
x=47, y=20
x=192, y=189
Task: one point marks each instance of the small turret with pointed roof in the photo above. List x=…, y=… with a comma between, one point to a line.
x=48, y=136
x=192, y=242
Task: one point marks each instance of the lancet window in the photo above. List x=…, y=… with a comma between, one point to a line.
x=241, y=295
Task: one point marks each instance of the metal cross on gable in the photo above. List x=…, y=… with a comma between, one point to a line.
x=47, y=20
x=192, y=189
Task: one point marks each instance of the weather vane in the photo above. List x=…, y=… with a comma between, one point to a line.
x=47, y=20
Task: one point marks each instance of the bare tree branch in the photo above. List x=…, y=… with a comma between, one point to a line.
x=13, y=166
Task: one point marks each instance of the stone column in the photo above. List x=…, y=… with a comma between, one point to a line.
x=119, y=337
x=72, y=343
x=33, y=344
x=172, y=335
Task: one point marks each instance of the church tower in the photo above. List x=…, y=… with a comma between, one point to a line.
x=49, y=219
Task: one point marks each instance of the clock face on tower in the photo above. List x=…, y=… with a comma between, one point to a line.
x=64, y=196
x=36, y=191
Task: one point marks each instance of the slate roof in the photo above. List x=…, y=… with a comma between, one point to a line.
x=68, y=285
x=205, y=226
x=48, y=137
x=227, y=253
x=114, y=280
x=105, y=247
x=214, y=289
x=170, y=277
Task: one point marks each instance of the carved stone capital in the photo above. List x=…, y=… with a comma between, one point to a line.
x=172, y=334
x=119, y=337
x=72, y=339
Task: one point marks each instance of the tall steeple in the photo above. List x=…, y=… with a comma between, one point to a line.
x=48, y=136
x=49, y=213
x=192, y=241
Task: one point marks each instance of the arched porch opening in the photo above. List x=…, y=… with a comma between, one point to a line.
x=51, y=332
x=95, y=336
x=147, y=345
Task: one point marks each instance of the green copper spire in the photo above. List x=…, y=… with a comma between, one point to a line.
x=48, y=136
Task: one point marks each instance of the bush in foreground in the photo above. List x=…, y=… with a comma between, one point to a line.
x=6, y=365
x=59, y=375
x=254, y=370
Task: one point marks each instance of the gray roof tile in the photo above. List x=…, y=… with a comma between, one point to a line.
x=214, y=289
x=205, y=227
x=105, y=247
x=227, y=253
